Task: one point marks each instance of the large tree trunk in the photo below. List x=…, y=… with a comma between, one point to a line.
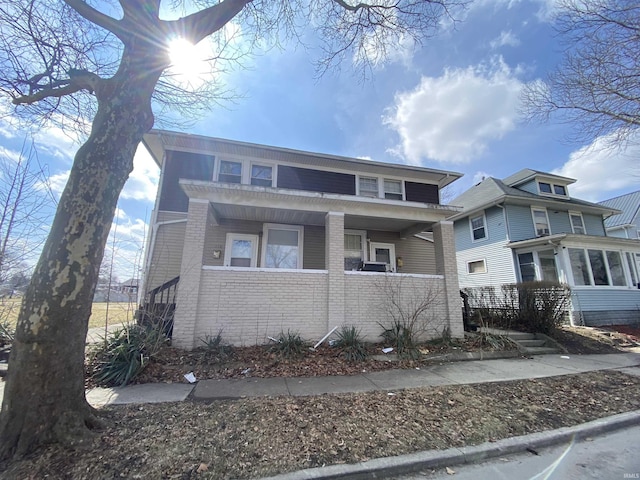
x=44, y=397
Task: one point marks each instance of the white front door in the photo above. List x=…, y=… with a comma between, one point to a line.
x=384, y=252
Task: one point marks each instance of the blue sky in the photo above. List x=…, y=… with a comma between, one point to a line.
x=451, y=104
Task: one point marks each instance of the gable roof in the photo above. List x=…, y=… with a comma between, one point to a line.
x=492, y=191
x=527, y=174
x=628, y=204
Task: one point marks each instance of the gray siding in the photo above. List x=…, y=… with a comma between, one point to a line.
x=313, y=251
x=606, y=306
x=417, y=255
x=531, y=187
x=216, y=236
x=499, y=264
x=167, y=251
x=520, y=222
x=559, y=221
x=495, y=225
x=593, y=224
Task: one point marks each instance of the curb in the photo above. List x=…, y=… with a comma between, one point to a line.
x=432, y=459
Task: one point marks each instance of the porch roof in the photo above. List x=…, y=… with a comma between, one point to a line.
x=574, y=239
x=278, y=205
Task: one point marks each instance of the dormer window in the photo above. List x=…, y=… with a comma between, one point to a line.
x=560, y=190
x=546, y=188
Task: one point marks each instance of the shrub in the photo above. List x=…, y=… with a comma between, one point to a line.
x=530, y=306
x=351, y=344
x=124, y=354
x=7, y=333
x=214, y=347
x=289, y=345
x=402, y=338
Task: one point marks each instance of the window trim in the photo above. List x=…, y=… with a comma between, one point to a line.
x=230, y=237
x=279, y=226
x=384, y=191
x=533, y=217
x=392, y=252
x=377, y=179
x=577, y=214
x=484, y=265
x=227, y=160
x=261, y=164
x=552, y=187
x=363, y=235
x=484, y=225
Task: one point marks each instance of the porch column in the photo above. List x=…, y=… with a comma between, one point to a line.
x=190, y=272
x=446, y=265
x=334, y=263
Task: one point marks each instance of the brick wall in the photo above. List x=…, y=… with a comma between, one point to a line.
x=251, y=305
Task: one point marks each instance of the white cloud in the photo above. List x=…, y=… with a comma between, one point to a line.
x=453, y=117
x=58, y=181
x=505, y=39
x=602, y=171
x=480, y=176
x=143, y=181
x=9, y=154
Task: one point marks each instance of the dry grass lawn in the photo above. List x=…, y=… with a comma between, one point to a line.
x=112, y=313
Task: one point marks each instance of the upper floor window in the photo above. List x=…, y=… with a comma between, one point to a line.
x=230, y=172
x=392, y=189
x=577, y=224
x=560, y=190
x=540, y=222
x=478, y=228
x=546, y=188
x=262, y=175
x=368, y=187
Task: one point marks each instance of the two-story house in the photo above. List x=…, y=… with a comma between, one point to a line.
x=265, y=239
x=528, y=227
x=625, y=224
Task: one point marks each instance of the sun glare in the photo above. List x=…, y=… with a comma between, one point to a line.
x=188, y=62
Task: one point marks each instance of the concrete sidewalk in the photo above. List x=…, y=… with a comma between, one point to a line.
x=445, y=374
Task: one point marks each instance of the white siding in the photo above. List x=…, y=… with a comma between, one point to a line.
x=499, y=262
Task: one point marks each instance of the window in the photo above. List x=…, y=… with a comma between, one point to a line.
x=527, y=267
x=579, y=267
x=547, y=259
x=262, y=175
x=598, y=269
x=541, y=222
x=230, y=172
x=241, y=250
x=393, y=189
x=560, y=190
x=616, y=270
x=632, y=269
x=478, y=230
x=478, y=266
x=282, y=246
x=354, y=251
x=544, y=187
x=577, y=224
x=368, y=187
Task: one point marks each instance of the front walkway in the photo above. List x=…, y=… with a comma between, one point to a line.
x=445, y=374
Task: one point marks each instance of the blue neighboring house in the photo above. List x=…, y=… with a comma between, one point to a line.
x=528, y=227
x=625, y=224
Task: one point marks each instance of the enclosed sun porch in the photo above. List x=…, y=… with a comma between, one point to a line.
x=260, y=260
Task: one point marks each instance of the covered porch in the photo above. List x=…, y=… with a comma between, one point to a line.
x=260, y=260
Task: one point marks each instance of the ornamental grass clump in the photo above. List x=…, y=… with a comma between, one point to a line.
x=351, y=344
x=289, y=345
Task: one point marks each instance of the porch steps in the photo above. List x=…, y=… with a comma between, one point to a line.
x=530, y=343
